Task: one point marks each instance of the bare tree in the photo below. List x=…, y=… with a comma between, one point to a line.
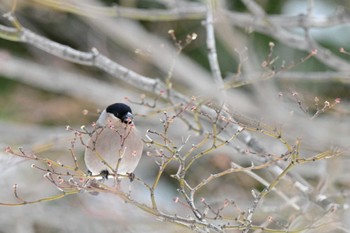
x=232, y=144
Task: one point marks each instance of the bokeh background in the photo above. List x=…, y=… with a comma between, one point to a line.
x=41, y=94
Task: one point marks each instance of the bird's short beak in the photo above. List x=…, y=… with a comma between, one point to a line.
x=128, y=118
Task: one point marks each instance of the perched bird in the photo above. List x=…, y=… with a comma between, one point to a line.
x=115, y=147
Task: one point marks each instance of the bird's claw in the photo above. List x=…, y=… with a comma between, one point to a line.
x=131, y=176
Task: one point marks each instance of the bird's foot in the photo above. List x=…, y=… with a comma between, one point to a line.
x=131, y=176
x=104, y=174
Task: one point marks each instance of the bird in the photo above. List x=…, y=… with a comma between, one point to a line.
x=115, y=145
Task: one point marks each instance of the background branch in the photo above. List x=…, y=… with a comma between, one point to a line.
x=268, y=155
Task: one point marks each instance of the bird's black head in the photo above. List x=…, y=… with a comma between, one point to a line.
x=121, y=111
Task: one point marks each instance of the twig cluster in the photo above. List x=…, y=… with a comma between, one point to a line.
x=185, y=154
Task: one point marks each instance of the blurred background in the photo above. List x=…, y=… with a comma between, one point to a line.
x=40, y=94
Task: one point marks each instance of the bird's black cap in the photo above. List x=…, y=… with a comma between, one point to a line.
x=119, y=110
